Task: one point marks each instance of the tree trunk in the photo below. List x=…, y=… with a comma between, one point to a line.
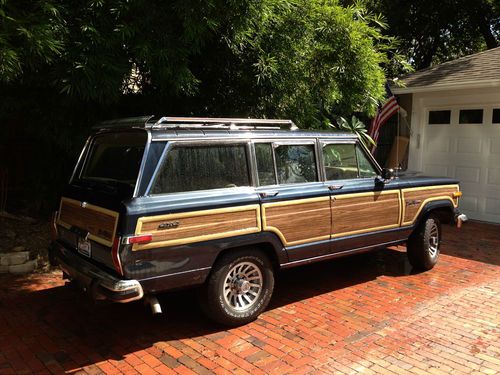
x=481, y=13
x=485, y=30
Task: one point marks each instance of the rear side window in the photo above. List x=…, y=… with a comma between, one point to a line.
x=295, y=164
x=191, y=168
x=114, y=157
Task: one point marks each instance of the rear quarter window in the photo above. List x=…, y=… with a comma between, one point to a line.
x=193, y=168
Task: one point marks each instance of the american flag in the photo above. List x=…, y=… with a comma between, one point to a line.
x=384, y=113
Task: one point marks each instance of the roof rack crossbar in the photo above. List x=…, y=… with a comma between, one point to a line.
x=149, y=122
x=221, y=123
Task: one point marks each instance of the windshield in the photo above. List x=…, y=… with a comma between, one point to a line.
x=114, y=158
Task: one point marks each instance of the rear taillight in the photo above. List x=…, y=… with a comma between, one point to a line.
x=140, y=239
x=116, y=256
x=54, y=233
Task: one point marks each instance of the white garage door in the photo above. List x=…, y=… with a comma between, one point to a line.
x=464, y=143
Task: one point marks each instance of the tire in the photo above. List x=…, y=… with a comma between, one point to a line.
x=423, y=245
x=239, y=287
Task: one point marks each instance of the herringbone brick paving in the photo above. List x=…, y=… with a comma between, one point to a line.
x=363, y=314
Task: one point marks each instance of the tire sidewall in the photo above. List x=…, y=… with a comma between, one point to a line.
x=429, y=223
x=418, y=244
x=251, y=313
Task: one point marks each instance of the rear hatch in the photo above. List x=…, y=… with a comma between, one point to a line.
x=89, y=212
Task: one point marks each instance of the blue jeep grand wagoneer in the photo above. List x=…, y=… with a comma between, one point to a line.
x=157, y=205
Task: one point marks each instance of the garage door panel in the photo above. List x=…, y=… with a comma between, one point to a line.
x=493, y=176
x=468, y=146
x=471, y=154
x=436, y=170
x=495, y=145
x=468, y=174
x=492, y=206
x=468, y=203
x=438, y=144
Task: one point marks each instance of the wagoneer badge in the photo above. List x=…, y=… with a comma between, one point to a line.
x=169, y=225
x=413, y=202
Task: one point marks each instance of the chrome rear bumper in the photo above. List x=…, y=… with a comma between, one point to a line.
x=101, y=284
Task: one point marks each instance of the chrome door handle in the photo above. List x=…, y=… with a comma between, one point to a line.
x=335, y=187
x=268, y=194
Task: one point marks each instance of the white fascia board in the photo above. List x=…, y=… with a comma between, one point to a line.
x=454, y=86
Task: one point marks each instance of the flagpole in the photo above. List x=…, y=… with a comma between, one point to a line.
x=397, y=147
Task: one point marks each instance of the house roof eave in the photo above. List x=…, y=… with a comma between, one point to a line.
x=475, y=84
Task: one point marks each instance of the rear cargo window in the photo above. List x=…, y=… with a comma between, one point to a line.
x=115, y=157
x=191, y=168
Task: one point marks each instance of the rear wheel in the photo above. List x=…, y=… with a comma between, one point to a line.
x=423, y=245
x=239, y=287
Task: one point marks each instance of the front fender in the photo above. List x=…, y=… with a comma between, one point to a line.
x=442, y=207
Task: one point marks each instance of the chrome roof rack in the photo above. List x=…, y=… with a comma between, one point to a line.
x=149, y=122
x=220, y=123
x=128, y=122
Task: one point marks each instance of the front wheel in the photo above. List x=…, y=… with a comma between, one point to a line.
x=239, y=287
x=423, y=245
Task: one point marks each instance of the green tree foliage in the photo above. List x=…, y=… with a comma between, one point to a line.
x=357, y=127
x=297, y=58
x=432, y=31
x=65, y=64
x=313, y=59
x=31, y=34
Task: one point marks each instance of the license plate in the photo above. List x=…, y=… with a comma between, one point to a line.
x=84, y=247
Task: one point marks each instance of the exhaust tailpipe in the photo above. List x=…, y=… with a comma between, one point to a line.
x=154, y=304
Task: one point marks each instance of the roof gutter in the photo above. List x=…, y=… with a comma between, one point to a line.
x=443, y=87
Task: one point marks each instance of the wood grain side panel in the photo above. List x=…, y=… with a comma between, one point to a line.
x=99, y=222
x=414, y=199
x=199, y=226
x=364, y=212
x=298, y=221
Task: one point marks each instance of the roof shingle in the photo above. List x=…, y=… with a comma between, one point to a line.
x=482, y=66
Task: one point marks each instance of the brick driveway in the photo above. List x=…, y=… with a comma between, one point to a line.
x=368, y=313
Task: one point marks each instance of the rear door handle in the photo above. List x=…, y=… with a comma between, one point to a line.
x=335, y=187
x=269, y=193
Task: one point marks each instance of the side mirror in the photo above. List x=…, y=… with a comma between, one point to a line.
x=386, y=176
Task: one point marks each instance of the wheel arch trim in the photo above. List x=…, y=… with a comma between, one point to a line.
x=434, y=205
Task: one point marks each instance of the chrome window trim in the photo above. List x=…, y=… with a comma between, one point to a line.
x=253, y=164
x=249, y=135
x=157, y=168
x=250, y=189
x=265, y=187
x=171, y=144
x=78, y=162
x=143, y=164
x=270, y=143
x=320, y=162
